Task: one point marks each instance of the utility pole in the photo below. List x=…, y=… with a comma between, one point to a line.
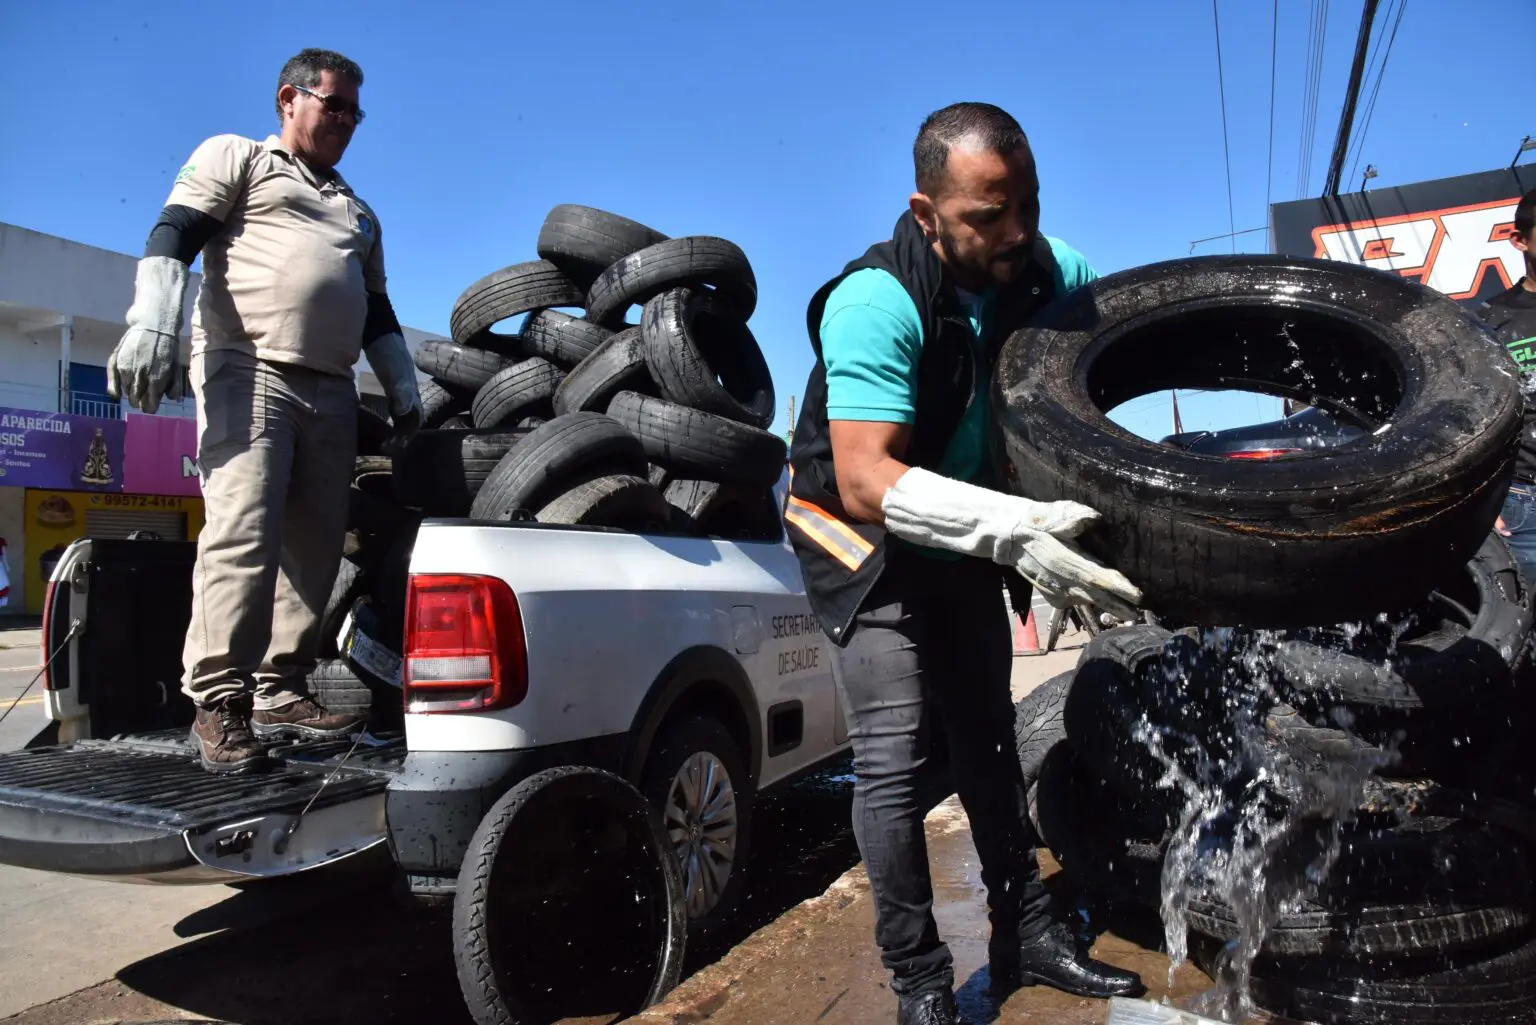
x=789, y=432
x=1351, y=96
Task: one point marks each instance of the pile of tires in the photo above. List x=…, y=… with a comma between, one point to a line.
x=1427, y=914
x=582, y=417
x=576, y=417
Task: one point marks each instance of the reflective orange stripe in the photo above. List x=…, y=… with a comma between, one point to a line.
x=829, y=532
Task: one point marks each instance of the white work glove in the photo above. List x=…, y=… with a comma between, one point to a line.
x=392, y=365
x=1029, y=536
x=144, y=366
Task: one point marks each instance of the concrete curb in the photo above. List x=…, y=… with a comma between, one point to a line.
x=710, y=990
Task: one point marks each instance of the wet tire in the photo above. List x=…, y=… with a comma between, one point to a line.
x=732, y=511
x=521, y=390
x=532, y=285
x=584, y=241
x=562, y=339
x=459, y=365
x=618, y=364
x=700, y=445
x=561, y=850
x=440, y=472
x=1461, y=664
x=441, y=402
x=695, y=261
x=1490, y=988
x=702, y=739
x=623, y=501
x=554, y=458
x=706, y=360
x=1099, y=842
x=1039, y=725
x=1325, y=536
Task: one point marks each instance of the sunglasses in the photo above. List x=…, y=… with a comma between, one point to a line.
x=334, y=105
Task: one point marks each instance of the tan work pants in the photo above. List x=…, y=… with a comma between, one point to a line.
x=276, y=448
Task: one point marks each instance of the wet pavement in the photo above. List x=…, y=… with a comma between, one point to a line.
x=819, y=963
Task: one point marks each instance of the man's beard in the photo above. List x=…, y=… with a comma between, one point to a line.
x=979, y=272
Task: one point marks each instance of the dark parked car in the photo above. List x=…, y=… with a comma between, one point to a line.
x=1311, y=428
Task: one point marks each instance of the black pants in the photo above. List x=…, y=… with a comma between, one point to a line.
x=935, y=635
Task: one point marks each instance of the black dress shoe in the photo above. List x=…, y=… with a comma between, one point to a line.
x=932, y=1007
x=1053, y=958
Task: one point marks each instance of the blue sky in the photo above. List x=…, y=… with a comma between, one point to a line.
x=784, y=127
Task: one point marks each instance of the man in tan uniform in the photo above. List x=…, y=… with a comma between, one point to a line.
x=293, y=291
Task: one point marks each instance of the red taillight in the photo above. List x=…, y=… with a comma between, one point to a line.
x=464, y=649
x=1263, y=453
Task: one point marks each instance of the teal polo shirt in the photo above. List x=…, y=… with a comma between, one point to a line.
x=871, y=339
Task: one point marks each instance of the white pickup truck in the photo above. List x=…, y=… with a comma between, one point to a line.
x=690, y=667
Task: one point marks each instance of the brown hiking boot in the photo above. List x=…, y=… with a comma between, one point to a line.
x=305, y=719
x=222, y=734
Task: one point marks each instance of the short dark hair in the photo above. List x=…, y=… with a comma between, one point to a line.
x=304, y=69
x=1525, y=214
x=991, y=126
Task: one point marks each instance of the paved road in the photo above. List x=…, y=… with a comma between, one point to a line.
x=332, y=946
x=20, y=657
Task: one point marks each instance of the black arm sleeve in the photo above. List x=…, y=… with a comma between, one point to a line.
x=181, y=232
x=381, y=319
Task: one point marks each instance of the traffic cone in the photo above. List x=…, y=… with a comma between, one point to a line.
x=1026, y=639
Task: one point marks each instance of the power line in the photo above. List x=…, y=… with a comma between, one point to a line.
x=1370, y=107
x=1269, y=178
x=1314, y=94
x=1306, y=99
x=1351, y=99
x=1221, y=87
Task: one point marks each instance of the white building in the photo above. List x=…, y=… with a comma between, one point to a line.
x=62, y=306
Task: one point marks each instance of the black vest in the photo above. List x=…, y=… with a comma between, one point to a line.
x=841, y=558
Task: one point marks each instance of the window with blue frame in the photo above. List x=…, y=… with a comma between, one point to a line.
x=88, y=393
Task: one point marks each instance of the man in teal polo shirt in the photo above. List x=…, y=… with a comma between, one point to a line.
x=906, y=546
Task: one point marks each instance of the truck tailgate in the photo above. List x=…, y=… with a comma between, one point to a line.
x=141, y=808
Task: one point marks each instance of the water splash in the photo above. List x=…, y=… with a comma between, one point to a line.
x=1260, y=819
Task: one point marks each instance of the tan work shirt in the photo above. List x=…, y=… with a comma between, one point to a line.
x=287, y=279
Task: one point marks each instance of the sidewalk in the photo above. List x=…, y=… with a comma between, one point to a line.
x=818, y=963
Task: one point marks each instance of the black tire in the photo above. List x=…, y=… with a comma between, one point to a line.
x=584, y=241
x=441, y=401
x=341, y=688
x=1388, y=675
x=703, y=357
x=372, y=514
x=1402, y=930
x=1039, y=724
x=1324, y=536
x=582, y=836
x=373, y=430
x=440, y=472
x=521, y=390
x=700, y=445
x=532, y=285
x=1098, y=842
x=736, y=512
x=459, y=365
x=528, y=423
x=620, y=500
x=693, y=261
x=618, y=364
x=351, y=583
x=562, y=339
x=553, y=458
x=1488, y=988
x=458, y=422
x=674, y=747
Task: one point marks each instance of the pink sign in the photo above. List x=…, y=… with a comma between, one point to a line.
x=160, y=456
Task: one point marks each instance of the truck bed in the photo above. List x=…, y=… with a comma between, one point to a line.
x=140, y=806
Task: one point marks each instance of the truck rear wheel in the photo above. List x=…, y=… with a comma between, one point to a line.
x=697, y=780
x=568, y=903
